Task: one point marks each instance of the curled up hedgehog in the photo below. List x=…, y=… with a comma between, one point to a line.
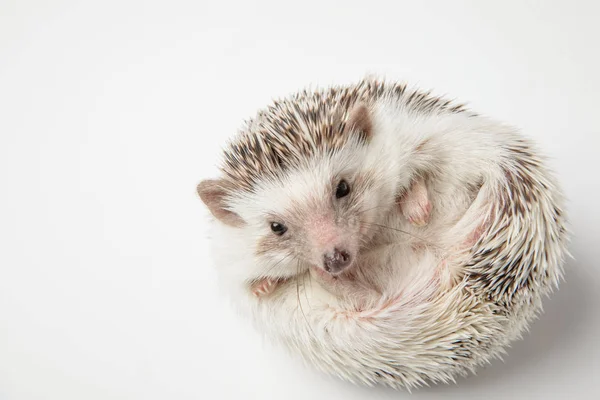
x=386, y=235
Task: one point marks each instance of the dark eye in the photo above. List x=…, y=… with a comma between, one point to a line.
x=278, y=229
x=342, y=189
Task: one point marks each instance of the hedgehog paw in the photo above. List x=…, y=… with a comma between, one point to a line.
x=264, y=287
x=415, y=204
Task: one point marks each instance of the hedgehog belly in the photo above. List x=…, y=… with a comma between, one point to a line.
x=425, y=332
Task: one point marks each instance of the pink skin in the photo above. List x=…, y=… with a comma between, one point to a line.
x=415, y=207
x=415, y=204
x=325, y=237
x=264, y=287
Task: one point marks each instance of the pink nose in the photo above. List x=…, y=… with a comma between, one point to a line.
x=336, y=261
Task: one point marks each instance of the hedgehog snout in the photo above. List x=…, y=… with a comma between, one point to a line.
x=336, y=261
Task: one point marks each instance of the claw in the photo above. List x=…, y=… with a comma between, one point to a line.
x=264, y=287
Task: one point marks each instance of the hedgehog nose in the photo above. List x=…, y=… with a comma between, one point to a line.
x=336, y=260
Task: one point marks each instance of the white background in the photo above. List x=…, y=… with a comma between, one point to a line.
x=112, y=112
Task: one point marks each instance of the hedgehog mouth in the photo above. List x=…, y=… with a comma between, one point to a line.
x=321, y=273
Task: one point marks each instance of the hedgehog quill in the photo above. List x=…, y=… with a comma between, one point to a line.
x=385, y=235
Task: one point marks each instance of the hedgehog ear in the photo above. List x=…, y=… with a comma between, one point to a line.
x=214, y=195
x=359, y=121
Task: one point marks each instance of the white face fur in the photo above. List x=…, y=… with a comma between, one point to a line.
x=320, y=214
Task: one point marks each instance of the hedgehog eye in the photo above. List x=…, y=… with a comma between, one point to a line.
x=342, y=189
x=278, y=229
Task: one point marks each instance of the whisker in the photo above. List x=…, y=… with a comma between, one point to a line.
x=304, y=285
x=406, y=201
x=298, y=298
x=401, y=231
x=387, y=206
x=372, y=208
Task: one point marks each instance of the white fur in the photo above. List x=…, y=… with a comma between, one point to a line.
x=439, y=311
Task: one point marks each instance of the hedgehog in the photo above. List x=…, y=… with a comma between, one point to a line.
x=385, y=235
